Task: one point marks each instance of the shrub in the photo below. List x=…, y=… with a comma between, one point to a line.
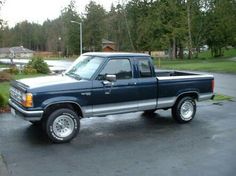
x=38, y=64
x=29, y=71
x=13, y=70
x=2, y=101
x=5, y=76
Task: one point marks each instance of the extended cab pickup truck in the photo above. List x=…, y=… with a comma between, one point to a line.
x=100, y=84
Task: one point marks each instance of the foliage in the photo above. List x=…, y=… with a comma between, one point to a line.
x=5, y=86
x=38, y=64
x=28, y=70
x=94, y=24
x=138, y=25
x=13, y=70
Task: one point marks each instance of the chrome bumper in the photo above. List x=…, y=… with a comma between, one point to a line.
x=27, y=115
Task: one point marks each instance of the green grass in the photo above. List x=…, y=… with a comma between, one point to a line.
x=227, y=54
x=220, y=97
x=3, y=65
x=211, y=65
x=4, y=86
x=205, y=62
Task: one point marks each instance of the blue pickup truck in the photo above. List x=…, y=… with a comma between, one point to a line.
x=100, y=84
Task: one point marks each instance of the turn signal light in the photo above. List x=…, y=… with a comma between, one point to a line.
x=28, y=100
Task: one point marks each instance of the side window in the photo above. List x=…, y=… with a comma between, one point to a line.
x=119, y=67
x=144, y=68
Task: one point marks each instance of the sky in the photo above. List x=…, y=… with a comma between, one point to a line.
x=14, y=11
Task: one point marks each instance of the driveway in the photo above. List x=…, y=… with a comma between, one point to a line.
x=129, y=144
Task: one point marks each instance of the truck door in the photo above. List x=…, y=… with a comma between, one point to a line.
x=115, y=96
x=147, y=85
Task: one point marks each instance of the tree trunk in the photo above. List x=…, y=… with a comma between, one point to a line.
x=189, y=30
x=181, y=52
x=174, y=48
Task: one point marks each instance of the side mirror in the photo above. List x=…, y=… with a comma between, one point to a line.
x=111, y=78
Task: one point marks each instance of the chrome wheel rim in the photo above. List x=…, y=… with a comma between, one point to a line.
x=187, y=110
x=63, y=126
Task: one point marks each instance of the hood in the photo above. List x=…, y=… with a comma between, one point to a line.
x=45, y=81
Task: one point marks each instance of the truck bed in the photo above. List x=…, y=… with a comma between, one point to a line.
x=166, y=73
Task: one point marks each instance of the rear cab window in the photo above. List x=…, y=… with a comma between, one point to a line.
x=144, y=68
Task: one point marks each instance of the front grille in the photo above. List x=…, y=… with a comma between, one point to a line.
x=16, y=94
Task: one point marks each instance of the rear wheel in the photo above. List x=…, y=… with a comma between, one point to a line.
x=62, y=125
x=184, y=110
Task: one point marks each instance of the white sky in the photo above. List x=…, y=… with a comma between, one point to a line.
x=14, y=11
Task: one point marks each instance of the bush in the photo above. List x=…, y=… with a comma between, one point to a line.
x=38, y=64
x=2, y=101
x=5, y=76
x=29, y=71
x=13, y=70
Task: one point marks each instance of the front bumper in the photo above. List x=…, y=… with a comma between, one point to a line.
x=25, y=114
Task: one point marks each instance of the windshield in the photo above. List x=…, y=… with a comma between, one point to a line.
x=84, y=67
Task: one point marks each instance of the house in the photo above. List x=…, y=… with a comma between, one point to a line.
x=108, y=46
x=4, y=52
x=18, y=52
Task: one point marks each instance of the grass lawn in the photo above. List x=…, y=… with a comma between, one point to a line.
x=227, y=54
x=219, y=97
x=4, y=86
x=3, y=65
x=205, y=62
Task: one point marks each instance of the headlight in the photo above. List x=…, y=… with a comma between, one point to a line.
x=27, y=100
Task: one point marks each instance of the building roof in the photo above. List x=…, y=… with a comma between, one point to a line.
x=16, y=50
x=20, y=49
x=4, y=51
x=105, y=41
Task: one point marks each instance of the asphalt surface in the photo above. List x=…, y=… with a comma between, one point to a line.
x=129, y=144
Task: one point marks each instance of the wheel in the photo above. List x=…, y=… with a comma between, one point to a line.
x=184, y=110
x=62, y=125
x=149, y=111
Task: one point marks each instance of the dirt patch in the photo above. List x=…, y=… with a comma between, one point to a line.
x=4, y=109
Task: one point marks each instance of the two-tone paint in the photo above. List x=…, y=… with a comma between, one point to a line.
x=94, y=98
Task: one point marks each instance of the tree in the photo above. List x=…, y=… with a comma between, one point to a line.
x=94, y=26
x=221, y=25
x=71, y=31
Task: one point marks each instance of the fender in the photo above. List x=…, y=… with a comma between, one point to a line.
x=61, y=100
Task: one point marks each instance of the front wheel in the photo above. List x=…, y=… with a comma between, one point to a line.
x=184, y=110
x=62, y=125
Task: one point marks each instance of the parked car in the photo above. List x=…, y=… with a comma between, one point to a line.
x=100, y=84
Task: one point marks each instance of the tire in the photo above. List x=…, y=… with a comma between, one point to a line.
x=62, y=125
x=184, y=110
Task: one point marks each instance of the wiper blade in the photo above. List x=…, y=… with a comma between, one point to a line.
x=73, y=75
